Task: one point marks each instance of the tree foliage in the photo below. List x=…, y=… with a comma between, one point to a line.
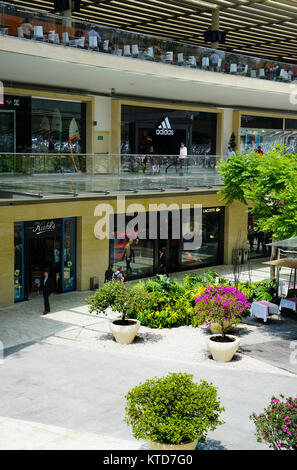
x=267, y=183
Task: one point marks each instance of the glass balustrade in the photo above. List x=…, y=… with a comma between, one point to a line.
x=29, y=24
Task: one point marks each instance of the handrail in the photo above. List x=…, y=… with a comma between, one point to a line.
x=142, y=46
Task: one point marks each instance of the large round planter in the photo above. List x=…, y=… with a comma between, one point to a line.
x=124, y=333
x=154, y=445
x=223, y=352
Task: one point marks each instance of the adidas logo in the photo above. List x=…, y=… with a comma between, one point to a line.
x=165, y=128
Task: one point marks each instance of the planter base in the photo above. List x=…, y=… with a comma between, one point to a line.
x=124, y=334
x=223, y=352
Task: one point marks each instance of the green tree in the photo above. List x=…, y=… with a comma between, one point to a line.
x=267, y=184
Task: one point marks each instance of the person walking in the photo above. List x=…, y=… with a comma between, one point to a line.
x=108, y=273
x=183, y=155
x=162, y=269
x=117, y=275
x=47, y=291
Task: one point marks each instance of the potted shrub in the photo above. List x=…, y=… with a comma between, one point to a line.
x=173, y=412
x=277, y=425
x=115, y=295
x=225, y=306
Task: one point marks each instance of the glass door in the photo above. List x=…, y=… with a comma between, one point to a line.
x=69, y=254
x=7, y=131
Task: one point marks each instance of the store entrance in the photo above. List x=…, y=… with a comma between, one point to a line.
x=43, y=254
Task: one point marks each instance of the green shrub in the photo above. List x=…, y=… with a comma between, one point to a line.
x=112, y=294
x=263, y=290
x=173, y=409
x=276, y=426
x=193, y=280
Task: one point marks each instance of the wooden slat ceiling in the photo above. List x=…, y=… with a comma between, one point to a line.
x=263, y=28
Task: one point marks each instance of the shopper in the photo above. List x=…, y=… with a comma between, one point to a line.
x=259, y=150
x=230, y=152
x=108, y=273
x=162, y=269
x=47, y=291
x=117, y=275
x=183, y=153
x=27, y=28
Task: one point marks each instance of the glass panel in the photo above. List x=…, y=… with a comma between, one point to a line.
x=211, y=239
x=7, y=131
x=251, y=139
x=69, y=231
x=18, y=262
x=133, y=254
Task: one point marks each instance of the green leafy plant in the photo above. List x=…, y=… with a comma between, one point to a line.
x=277, y=425
x=173, y=409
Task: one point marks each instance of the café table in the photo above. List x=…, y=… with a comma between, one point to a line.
x=262, y=309
x=291, y=304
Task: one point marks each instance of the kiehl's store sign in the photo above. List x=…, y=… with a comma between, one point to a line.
x=43, y=228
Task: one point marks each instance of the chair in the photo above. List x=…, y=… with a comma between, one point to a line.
x=38, y=33
x=261, y=73
x=106, y=45
x=93, y=42
x=180, y=58
x=169, y=57
x=80, y=42
x=119, y=52
x=65, y=38
x=219, y=64
x=253, y=74
x=135, y=50
x=245, y=69
x=233, y=68
x=284, y=75
x=51, y=36
x=192, y=61
x=20, y=32
x=149, y=53
x=127, y=50
x=205, y=62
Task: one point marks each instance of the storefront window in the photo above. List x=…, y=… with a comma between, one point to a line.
x=165, y=129
x=257, y=240
x=18, y=261
x=69, y=251
x=132, y=252
x=212, y=239
x=260, y=130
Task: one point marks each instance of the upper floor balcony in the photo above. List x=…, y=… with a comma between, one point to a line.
x=54, y=30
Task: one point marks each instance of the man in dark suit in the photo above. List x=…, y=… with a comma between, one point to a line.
x=162, y=269
x=47, y=291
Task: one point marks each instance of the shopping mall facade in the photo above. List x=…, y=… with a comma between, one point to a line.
x=76, y=126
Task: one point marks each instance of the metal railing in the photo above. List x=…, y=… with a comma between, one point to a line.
x=68, y=32
x=105, y=164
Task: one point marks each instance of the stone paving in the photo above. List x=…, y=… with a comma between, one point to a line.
x=64, y=378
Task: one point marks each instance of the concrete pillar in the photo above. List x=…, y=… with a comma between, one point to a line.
x=236, y=224
x=215, y=25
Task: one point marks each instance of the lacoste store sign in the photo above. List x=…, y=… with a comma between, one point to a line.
x=165, y=128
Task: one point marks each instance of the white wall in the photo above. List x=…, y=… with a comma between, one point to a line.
x=102, y=113
x=227, y=128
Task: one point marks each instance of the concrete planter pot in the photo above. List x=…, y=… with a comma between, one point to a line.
x=125, y=331
x=154, y=445
x=223, y=352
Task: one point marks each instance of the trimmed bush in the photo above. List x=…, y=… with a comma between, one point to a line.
x=173, y=409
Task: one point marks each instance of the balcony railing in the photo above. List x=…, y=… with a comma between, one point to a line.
x=55, y=173
x=67, y=32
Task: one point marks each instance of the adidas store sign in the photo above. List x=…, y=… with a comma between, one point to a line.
x=165, y=128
